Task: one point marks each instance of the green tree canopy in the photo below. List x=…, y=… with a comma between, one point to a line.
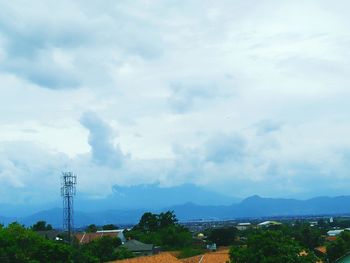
x=223, y=236
x=18, y=244
x=91, y=228
x=109, y=227
x=21, y=245
x=339, y=247
x=41, y=226
x=104, y=248
x=162, y=230
x=271, y=247
x=148, y=222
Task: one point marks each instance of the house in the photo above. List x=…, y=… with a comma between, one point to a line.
x=243, y=226
x=84, y=238
x=119, y=233
x=138, y=248
x=336, y=232
x=330, y=238
x=160, y=258
x=211, y=257
x=221, y=256
x=313, y=223
x=269, y=223
x=320, y=251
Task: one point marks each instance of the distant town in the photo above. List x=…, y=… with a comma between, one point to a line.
x=162, y=238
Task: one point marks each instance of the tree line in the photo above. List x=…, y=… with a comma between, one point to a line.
x=289, y=243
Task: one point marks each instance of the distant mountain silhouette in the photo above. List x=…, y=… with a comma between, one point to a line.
x=152, y=196
x=54, y=217
x=253, y=206
x=256, y=206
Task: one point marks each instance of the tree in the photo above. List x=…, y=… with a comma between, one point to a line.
x=91, y=228
x=307, y=236
x=339, y=247
x=18, y=244
x=162, y=230
x=109, y=227
x=223, y=236
x=148, y=222
x=270, y=247
x=41, y=226
x=21, y=245
x=167, y=219
x=103, y=248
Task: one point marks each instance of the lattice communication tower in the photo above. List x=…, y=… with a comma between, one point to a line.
x=68, y=190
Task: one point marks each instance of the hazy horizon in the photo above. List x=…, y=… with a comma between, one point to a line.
x=238, y=97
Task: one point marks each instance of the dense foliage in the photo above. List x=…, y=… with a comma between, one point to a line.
x=270, y=246
x=339, y=247
x=18, y=244
x=109, y=227
x=222, y=236
x=91, y=228
x=161, y=230
x=307, y=236
x=21, y=245
x=41, y=226
x=104, y=249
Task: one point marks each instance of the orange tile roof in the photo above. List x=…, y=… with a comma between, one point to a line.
x=217, y=257
x=194, y=259
x=221, y=256
x=160, y=258
x=212, y=257
x=330, y=238
x=321, y=249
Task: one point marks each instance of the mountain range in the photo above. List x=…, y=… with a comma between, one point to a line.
x=251, y=207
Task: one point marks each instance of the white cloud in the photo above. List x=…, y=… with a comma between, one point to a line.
x=196, y=74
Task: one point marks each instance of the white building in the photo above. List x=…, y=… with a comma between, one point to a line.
x=243, y=226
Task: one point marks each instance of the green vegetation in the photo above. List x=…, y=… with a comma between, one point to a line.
x=224, y=236
x=291, y=242
x=41, y=226
x=161, y=230
x=309, y=237
x=91, y=228
x=271, y=246
x=340, y=247
x=21, y=245
x=104, y=249
x=109, y=227
x=18, y=244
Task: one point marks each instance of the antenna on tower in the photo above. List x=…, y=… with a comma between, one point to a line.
x=68, y=190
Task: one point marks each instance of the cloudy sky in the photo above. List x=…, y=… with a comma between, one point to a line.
x=241, y=96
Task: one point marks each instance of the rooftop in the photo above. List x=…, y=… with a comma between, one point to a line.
x=160, y=258
x=212, y=257
x=85, y=238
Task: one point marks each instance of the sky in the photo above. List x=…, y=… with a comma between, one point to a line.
x=241, y=97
